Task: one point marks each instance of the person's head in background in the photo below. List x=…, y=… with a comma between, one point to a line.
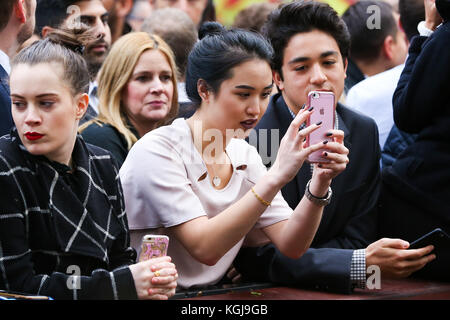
x=394, y=4
x=199, y=11
x=118, y=10
x=254, y=16
x=311, y=46
x=51, y=14
x=177, y=30
x=228, y=78
x=137, y=84
x=411, y=13
x=140, y=12
x=17, y=21
x=377, y=42
x=49, y=83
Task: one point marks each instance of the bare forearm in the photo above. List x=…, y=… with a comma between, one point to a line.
x=298, y=233
x=226, y=229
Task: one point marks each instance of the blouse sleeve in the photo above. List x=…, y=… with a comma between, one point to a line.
x=156, y=186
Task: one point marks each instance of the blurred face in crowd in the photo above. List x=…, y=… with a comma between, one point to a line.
x=94, y=14
x=311, y=61
x=193, y=8
x=148, y=94
x=45, y=111
x=27, y=29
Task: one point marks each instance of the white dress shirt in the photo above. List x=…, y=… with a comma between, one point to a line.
x=373, y=97
x=4, y=62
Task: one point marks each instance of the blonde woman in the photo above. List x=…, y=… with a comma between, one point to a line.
x=137, y=92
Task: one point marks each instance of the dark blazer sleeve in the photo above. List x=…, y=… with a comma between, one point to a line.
x=418, y=98
x=6, y=122
x=326, y=269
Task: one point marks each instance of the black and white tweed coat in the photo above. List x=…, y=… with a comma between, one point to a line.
x=55, y=225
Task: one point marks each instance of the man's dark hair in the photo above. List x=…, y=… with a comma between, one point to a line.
x=411, y=13
x=6, y=10
x=366, y=43
x=299, y=17
x=51, y=13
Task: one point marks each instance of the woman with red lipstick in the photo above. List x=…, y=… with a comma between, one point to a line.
x=200, y=183
x=137, y=91
x=63, y=226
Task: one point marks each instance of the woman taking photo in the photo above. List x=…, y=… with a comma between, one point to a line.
x=137, y=89
x=201, y=184
x=63, y=227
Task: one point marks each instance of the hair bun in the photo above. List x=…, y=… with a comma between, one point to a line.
x=210, y=28
x=75, y=39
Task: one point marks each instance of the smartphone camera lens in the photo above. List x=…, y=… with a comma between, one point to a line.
x=315, y=95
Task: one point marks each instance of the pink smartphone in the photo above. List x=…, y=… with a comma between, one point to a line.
x=324, y=106
x=153, y=246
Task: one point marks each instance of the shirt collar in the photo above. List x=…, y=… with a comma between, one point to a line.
x=4, y=62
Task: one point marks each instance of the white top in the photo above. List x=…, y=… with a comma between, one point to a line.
x=4, y=62
x=182, y=95
x=373, y=97
x=93, y=97
x=164, y=184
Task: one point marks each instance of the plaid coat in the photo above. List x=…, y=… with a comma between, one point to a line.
x=63, y=234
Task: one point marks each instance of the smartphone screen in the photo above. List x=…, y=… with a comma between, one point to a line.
x=324, y=106
x=153, y=246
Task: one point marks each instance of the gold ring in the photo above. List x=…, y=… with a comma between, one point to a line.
x=156, y=273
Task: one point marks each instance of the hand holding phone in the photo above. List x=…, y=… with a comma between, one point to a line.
x=153, y=246
x=323, y=103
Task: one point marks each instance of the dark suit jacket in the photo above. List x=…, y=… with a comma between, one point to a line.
x=6, y=122
x=421, y=104
x=348, y=222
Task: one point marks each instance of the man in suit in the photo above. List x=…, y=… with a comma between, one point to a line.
x=311, y=46
x=16, y=25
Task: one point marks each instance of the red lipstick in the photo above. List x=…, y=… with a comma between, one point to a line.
x=33, y=136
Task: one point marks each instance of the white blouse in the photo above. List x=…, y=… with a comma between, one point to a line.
x=165, y=184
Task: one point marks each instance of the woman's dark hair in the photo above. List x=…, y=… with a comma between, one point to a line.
x=218, y=51
x=299, y=17
x=64, y=46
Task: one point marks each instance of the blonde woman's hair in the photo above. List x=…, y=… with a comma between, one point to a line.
x=114, y=75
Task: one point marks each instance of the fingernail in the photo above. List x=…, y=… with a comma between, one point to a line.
x=325, y=154
x=325, y=142
x=319, y=123
x=329, y=134
x=319, y=165
x=304, y=140
x=310, y=109
x=303, y=106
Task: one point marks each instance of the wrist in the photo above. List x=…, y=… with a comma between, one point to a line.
x=319, y=189
x=272, y=180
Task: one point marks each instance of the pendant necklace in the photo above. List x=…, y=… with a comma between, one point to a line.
x=216, y=179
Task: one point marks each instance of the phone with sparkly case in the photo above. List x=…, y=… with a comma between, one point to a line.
x=153, y=246
x=324, y=107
